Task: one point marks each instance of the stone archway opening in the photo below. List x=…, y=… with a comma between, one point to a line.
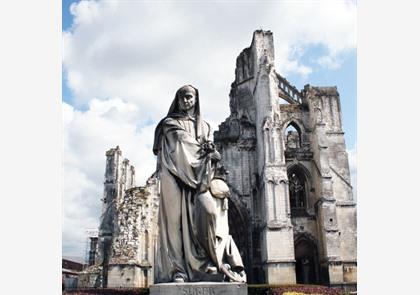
x=293, y=136
x=307, y=262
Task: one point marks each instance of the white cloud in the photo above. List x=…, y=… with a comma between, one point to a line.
x=87, y=135
x=124, y=60
x=143, y=51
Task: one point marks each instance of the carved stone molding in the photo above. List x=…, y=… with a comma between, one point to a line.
x=278, y=225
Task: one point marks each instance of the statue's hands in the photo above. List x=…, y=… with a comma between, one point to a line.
x=208, y=147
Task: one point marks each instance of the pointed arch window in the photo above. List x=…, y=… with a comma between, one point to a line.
x=293, y=136
x=298, y=189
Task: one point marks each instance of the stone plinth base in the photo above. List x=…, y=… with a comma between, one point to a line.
x=280, y=273
x=127, y=276
x=200, y=288
x=90, y=279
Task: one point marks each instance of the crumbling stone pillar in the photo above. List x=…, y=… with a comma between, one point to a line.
x=119, y=176
x=277, y=235
x=112, y=192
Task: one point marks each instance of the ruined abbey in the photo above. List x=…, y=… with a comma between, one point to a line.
x=291, y=210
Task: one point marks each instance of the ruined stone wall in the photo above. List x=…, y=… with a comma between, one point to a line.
x=131, y=263
x=336, y=207
x=119, y=178
x=249, y=141
x=256, y=150
x=126, y=239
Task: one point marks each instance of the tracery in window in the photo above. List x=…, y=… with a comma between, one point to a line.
x=298, y=188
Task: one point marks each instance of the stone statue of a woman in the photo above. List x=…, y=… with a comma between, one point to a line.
x=194, y=242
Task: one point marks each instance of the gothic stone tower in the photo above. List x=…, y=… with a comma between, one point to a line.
x=292, y=210
x=119, y=176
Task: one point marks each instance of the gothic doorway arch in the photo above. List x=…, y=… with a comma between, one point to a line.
x=307, y=260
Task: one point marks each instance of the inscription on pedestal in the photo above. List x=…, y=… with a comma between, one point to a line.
x=197, y=291
x=202, y=288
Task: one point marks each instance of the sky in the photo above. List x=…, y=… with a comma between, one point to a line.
x=124, y=60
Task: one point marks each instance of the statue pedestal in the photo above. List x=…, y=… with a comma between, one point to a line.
x=199, y=288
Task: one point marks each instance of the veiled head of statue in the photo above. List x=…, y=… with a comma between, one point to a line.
x=186, y=89
x=176, y=111
x=187, y=97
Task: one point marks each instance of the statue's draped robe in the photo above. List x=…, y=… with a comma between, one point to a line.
x=193, y=230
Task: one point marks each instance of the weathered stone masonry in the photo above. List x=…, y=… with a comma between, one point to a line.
x=127, y=230
x=291, y=210
x=135, y=232
x=289, y=174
